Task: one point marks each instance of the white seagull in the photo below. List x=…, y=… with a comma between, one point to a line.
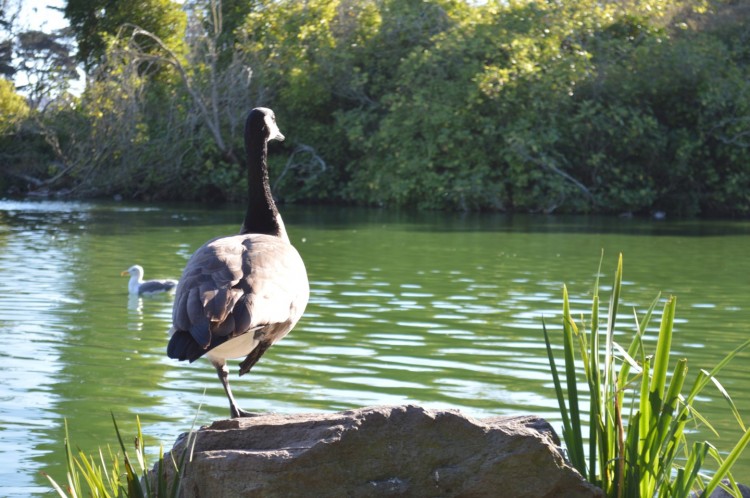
x=138, y=286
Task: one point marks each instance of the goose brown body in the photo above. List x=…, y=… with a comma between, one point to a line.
x=240, y=294
x=233, y=286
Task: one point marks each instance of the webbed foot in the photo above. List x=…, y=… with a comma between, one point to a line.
x=236, y=413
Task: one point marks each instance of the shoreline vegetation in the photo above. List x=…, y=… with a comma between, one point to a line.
x=103, y=476
x=523, y=106
x=638, y=420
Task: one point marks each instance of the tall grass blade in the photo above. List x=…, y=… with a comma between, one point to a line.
x=577, y=456
x=670, y=426
x=134, y=487
x=705, y=379
x=567, y=429
x=54, y=485
x=140, y=452
x=636, y=345
x=663, y=347
x=631, y=482
x=597, y=430
x=730, y=402
x=646, y=430
x=187, y=454
x=724, y=468
x=92, y=475
x=701, y=420
x=688, y=475
x=614, y=304
x=73, y=479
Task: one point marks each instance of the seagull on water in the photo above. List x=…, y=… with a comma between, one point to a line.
x=138, y=286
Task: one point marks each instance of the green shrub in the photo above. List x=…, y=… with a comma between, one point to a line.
x=637, y=442
x=105, y=477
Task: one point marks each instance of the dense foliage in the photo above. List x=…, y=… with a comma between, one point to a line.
x=96, y=21
x=528, y=105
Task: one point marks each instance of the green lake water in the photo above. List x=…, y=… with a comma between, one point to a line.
x=443, y=310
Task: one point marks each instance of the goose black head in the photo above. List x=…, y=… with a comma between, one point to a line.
x=262, y=118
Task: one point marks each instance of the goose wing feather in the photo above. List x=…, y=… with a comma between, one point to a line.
x=234, y=285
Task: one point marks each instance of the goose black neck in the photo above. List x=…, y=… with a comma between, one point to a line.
x=262, y=215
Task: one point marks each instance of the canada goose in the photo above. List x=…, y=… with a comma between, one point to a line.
x=137, y=285
x=240, y=294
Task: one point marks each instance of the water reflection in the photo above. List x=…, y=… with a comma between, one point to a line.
x=35, y=277
x=434, y=309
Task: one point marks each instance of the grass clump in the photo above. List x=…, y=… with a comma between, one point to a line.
x=637, y=412
x=104, y=476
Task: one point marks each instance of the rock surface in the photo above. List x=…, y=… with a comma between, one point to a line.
x=720, y=493
x=379, y=451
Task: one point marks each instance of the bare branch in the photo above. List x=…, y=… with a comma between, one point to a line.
x=549, y=165
x=210, y=118
x=314, y=165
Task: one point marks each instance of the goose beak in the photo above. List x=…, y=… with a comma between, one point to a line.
x=275, y=133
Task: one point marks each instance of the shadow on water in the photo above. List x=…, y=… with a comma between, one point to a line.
x=114, y=218
x=348, y=217
x=436, y=309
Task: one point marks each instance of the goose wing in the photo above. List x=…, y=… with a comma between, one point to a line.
x=232, y=286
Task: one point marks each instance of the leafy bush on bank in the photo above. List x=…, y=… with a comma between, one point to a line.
x=532, y=106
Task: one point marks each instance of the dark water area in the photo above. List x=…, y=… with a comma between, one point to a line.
x=443, y=310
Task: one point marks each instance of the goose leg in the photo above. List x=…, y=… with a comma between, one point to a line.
x=235, y=411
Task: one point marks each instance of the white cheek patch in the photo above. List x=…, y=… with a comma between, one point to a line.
x=273, y=129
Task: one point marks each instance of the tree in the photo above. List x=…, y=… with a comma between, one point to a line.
x=145, y=136
x=40, y=62
x=13, y=107
x=46, y=63
x=6, y=43
x=96, y=22
x=521, y=105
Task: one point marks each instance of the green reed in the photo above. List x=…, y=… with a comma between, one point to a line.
x=106, y=477
x=637, y=414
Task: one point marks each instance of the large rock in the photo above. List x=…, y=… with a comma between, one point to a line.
x=379, y=451
x=720, y=493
